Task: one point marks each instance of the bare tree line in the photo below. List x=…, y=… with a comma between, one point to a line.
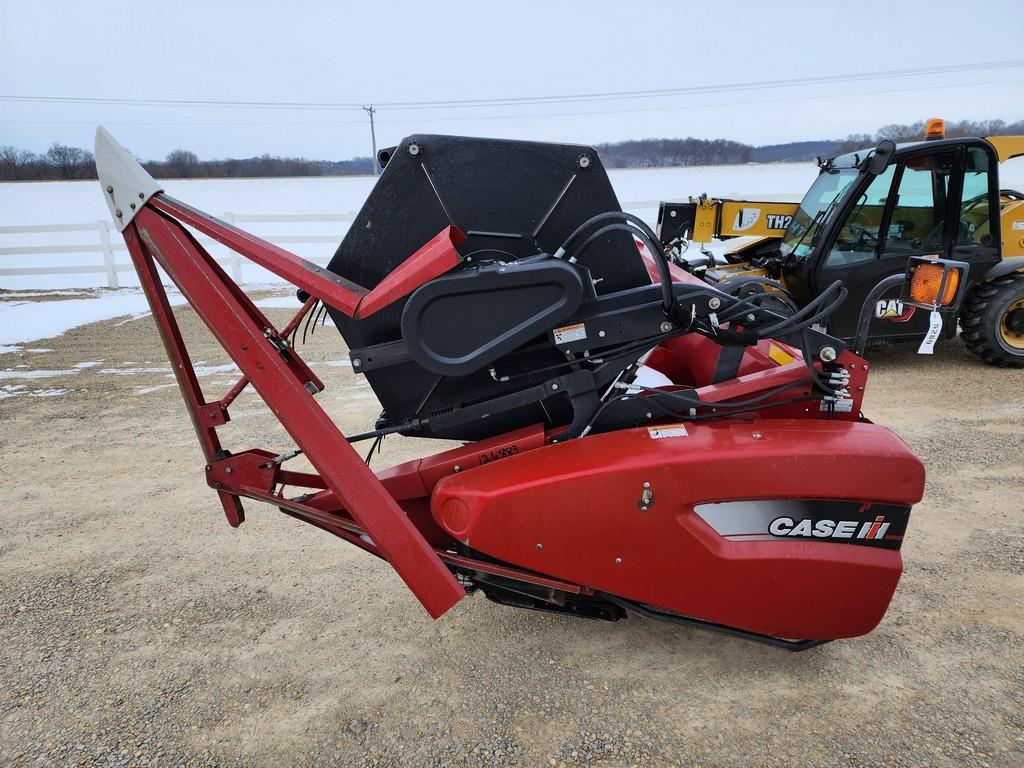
x=652, y=153
x=63, y=162
x=904, y=132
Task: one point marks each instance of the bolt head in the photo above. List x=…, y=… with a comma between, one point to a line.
x=457, y=468
x=540, y=546
x=118, y=213
x=751, y=318
x=647, y=485
x=618, y=561
x=758, y=436
x=714, y=302
x=584, y=161
x=414, y=149
x=110, y=189
x=666, y=327
x=228, y=470
x=554, y=387
x=828, y=354
x=643, y=509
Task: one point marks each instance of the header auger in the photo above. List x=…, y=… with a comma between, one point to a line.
x=637, y=440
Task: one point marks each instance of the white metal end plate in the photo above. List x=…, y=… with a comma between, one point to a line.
x=126, y=185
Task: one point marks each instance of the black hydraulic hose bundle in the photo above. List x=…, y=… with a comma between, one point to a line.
x=639, y=229
x=813, y=312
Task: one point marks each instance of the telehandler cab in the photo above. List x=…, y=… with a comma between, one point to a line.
x=862, y=221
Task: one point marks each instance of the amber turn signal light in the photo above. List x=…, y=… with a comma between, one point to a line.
x=926, y=283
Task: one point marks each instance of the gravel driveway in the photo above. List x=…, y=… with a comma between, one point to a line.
x=137, y=628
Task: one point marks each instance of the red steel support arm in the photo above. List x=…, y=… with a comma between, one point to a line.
x=435, y=258
x=280, y=378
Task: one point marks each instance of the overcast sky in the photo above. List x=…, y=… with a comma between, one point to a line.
x=354, y=53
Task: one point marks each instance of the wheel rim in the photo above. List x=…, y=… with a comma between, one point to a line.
x=1011, y=326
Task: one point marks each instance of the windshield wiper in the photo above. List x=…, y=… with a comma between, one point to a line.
x=819, y=217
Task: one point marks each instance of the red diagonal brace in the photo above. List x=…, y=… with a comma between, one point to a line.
x=234, y=321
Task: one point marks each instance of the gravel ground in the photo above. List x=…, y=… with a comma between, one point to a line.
x=137, y=628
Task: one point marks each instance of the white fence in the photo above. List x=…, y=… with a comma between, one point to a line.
x=107, y=241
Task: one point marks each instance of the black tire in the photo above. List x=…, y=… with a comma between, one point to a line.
x=987, y=321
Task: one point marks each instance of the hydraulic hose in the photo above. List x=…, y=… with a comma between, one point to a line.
x=647, y=235
x=864, y=319
x=665, y=276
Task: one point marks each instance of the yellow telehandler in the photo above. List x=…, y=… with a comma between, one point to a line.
x=866, y=216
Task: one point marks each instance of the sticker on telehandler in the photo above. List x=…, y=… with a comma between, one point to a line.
x=570, y=333
x=1017, y=225
x=660, y=433
x=746, y=218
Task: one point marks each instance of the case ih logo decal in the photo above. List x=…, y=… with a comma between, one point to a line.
x=829, y=529
x=838, y=522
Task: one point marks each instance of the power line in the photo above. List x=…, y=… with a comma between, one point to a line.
x=524, y=115
x=526, y=100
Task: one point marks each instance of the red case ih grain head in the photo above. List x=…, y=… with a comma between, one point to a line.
x=634, y=440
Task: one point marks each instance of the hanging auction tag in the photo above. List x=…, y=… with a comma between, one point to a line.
x=934, y=329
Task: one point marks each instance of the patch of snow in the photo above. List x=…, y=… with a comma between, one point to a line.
x=338, y=363
x=39, y=349
x=5, y=350
x=20, y=390
x=88, y=364
x=11, y=390
x=134, y=371
x=147, y=390
x=210, y=370
x=31, y=320
x=12, y=374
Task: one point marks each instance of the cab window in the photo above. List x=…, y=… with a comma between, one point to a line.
x=917, y=225
x=858, y=237
x=975, y=210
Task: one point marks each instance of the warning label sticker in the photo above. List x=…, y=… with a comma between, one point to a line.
x=1017, y=225
x=570, y=333
x=659, y=433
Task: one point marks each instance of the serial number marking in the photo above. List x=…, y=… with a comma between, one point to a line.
x=498, y=453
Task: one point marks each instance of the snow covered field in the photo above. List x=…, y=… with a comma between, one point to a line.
x=81, y=202
x=23, y=320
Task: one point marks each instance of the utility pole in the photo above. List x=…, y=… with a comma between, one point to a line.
x=373, y=139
